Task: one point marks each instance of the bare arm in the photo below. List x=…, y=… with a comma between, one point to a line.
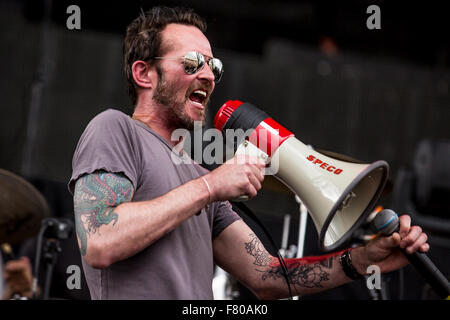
x=110, y=228
x=239, y=251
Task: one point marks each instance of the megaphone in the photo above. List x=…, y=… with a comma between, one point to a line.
x=339, y=195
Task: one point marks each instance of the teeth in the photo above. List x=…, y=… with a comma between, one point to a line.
x=201, y=92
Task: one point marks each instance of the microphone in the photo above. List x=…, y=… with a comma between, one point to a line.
x=386, y=222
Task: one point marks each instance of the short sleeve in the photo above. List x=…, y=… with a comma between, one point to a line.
x=108, y=143
x=223, y=217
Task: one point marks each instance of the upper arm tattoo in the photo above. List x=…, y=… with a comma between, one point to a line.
x=95, y=198
x=305, y=272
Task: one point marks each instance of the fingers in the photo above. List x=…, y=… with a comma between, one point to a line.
x=412, y=237
x=417, y=244
x=405, y=225
x=390, y=242
x=255, y=178
x=424, y=248
x=241, y=175
x=251, y=191
x=253, y=167
x=257, y=172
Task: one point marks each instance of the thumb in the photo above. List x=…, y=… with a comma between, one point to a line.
x=390, y=242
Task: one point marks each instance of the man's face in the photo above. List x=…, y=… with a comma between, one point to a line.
x=176, y=89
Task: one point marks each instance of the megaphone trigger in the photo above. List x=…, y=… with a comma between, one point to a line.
x=248, y=149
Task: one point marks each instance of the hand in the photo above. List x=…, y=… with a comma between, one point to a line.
x=241, y=175
x=384, y=251
x=18, y=277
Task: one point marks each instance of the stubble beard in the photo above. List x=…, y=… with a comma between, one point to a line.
x=165, y=95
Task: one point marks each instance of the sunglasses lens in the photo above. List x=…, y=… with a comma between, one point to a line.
x=193, y=61
x=217, y=68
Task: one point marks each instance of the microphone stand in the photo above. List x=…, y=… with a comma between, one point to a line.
x=285, y=235
x=302, y=227
x=51, y=250
x=52, y=230
x=301, y=230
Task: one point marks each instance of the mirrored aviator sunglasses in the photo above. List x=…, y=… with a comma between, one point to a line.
x=194, y=61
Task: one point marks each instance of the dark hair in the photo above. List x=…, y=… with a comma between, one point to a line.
x=143, y=37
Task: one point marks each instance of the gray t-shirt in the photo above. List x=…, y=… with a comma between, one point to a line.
x=180, y=264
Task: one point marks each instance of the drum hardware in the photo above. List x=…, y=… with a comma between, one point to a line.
x=52, y=231
x=22, y=208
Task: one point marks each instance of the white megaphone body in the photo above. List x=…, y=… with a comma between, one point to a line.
x=339, y=195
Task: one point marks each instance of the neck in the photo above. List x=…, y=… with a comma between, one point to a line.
x=156, y=118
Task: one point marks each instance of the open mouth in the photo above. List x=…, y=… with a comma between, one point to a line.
x=198, y=97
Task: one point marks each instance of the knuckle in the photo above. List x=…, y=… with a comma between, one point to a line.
x=247, y=186
x=261, y=177
x=424, y=237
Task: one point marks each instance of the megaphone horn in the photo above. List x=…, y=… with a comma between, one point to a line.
x=339, y=195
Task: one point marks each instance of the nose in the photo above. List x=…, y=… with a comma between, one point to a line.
x=206, y=74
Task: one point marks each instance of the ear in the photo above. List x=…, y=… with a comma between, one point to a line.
x=143, y=74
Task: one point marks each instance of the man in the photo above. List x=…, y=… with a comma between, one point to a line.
x=152, y=229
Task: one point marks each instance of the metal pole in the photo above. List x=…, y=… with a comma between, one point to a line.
x=285, y=235
x=301, y=230
x=302, y=227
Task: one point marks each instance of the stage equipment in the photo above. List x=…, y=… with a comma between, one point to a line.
x=338, y=194
x=22, y=207
x=52, y=231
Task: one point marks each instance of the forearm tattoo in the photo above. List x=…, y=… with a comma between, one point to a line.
x=95, y=199
x=306, y=272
